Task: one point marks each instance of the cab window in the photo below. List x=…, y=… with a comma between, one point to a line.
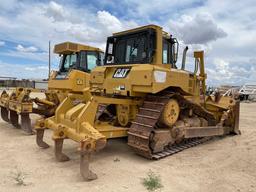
x=92, y=60
x=83, y=60
x=69, y=61
x=132, y=48
x=135, y=50
x=165, y=53
x=101, y=59
x=170, y=51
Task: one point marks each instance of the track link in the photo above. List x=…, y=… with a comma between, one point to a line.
x=142, y=128
x=180, y=147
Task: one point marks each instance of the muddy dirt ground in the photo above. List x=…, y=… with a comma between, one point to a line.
x=227, y=164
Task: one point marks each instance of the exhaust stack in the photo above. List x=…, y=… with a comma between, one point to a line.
x=184, y=58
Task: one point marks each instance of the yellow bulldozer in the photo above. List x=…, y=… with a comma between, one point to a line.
x=76, y=62
x=140, y=93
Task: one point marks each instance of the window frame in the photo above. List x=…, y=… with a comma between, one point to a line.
x=170, y=50
x=149, y=46
x=97, y=53
x=165, y=42
x=97, y=59
x=63, y=60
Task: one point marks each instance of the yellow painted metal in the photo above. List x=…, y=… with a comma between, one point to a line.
x=143, y=79
x=123, y=114
x=4, y=99
x=69, y=47
x=75, y=118
x=74, y=81
x=171, y=113
x=146, y=78
x=111, y=132
x=20, y=102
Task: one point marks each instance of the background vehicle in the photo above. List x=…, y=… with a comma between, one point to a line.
x=76, y=62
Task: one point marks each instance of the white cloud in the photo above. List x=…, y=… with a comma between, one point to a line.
x=109, y=21
x=2, y=43
x=223, y=69
x=226, y=73
x=56, y=11
x=41, y=22
x=35, y=56
x=26, y=49
x=7, y=5
x=43, y=67
x=36, y=68
x=20, y=71
x=226, y=34
x=30, y=68
x=198, y=29
x=150, y=10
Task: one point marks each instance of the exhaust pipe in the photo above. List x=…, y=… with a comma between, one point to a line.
x=184, y=58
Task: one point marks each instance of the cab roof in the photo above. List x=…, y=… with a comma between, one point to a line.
x=70, y=47
x=151, y=26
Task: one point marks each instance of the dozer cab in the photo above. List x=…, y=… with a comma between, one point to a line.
x=76, y=62
x=140, y=93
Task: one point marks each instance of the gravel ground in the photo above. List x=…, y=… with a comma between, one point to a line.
x=227, y=164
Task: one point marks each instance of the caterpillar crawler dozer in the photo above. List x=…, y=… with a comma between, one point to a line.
x=141, y=94
x=76, y=62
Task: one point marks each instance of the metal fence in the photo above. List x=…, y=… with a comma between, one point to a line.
x=23, y=83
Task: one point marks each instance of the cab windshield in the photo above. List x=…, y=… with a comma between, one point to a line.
x=89, y=60
x=67, y=62
x=83, y=61
x=92, y=60
x=137, y=47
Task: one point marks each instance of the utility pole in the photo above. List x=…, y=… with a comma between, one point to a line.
x=49, y=64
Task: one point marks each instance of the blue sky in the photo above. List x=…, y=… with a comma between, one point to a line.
x=226, y=30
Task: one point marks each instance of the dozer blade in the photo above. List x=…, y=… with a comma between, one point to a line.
x=26, y=124
x=58, y=145
x=5, y=114
x=14, y=118
x=39, y=139
x=86, y=173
